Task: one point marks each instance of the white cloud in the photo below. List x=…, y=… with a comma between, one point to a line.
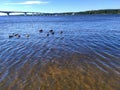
x=28, y=3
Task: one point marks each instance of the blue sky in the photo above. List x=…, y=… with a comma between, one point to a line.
x=57, y=5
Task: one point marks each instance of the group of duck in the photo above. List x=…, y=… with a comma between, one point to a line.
x=28, y=35
x=50, y=32
x=17, y=35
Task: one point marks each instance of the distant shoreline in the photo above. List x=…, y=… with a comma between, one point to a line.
x=102, y=11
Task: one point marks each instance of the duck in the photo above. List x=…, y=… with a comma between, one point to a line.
x=27, y=35
x=47, y=34
x=17, y=35
x=10, y=36
x=41, y=30
x=51, y=31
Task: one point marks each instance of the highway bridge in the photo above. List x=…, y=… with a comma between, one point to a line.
x=20, y=12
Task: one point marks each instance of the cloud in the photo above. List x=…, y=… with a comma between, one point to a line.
x=28, y=3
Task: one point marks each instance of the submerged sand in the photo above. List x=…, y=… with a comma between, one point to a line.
x=74, y=72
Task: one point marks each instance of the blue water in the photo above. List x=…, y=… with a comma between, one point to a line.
x=95, y=36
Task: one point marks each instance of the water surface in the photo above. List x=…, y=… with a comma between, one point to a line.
x=90, y=42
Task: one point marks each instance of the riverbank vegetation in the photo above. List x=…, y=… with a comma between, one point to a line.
x=104, y=11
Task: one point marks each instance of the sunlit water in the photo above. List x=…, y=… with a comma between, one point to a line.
x=94, y=36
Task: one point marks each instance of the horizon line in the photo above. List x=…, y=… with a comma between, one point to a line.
x=55, y=12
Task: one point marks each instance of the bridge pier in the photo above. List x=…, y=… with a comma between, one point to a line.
x=8, y=13
x=25, y=13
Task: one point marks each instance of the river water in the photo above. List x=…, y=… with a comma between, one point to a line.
x=92, y=39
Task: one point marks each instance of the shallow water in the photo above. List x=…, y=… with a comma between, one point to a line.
x=91, y=39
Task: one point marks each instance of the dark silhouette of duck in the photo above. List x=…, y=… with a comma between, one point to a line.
x=10, y=36
x=50, y=31
x=47, y=34
x=17, y=35
x=41, y=30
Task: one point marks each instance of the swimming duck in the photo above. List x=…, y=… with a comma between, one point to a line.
x=17, y=35
x=40, y=30
x=47, y=34
x=10, y=36
x=27, y=35
x=50, y=31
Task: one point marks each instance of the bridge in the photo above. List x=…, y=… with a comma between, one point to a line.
x=25, y=13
